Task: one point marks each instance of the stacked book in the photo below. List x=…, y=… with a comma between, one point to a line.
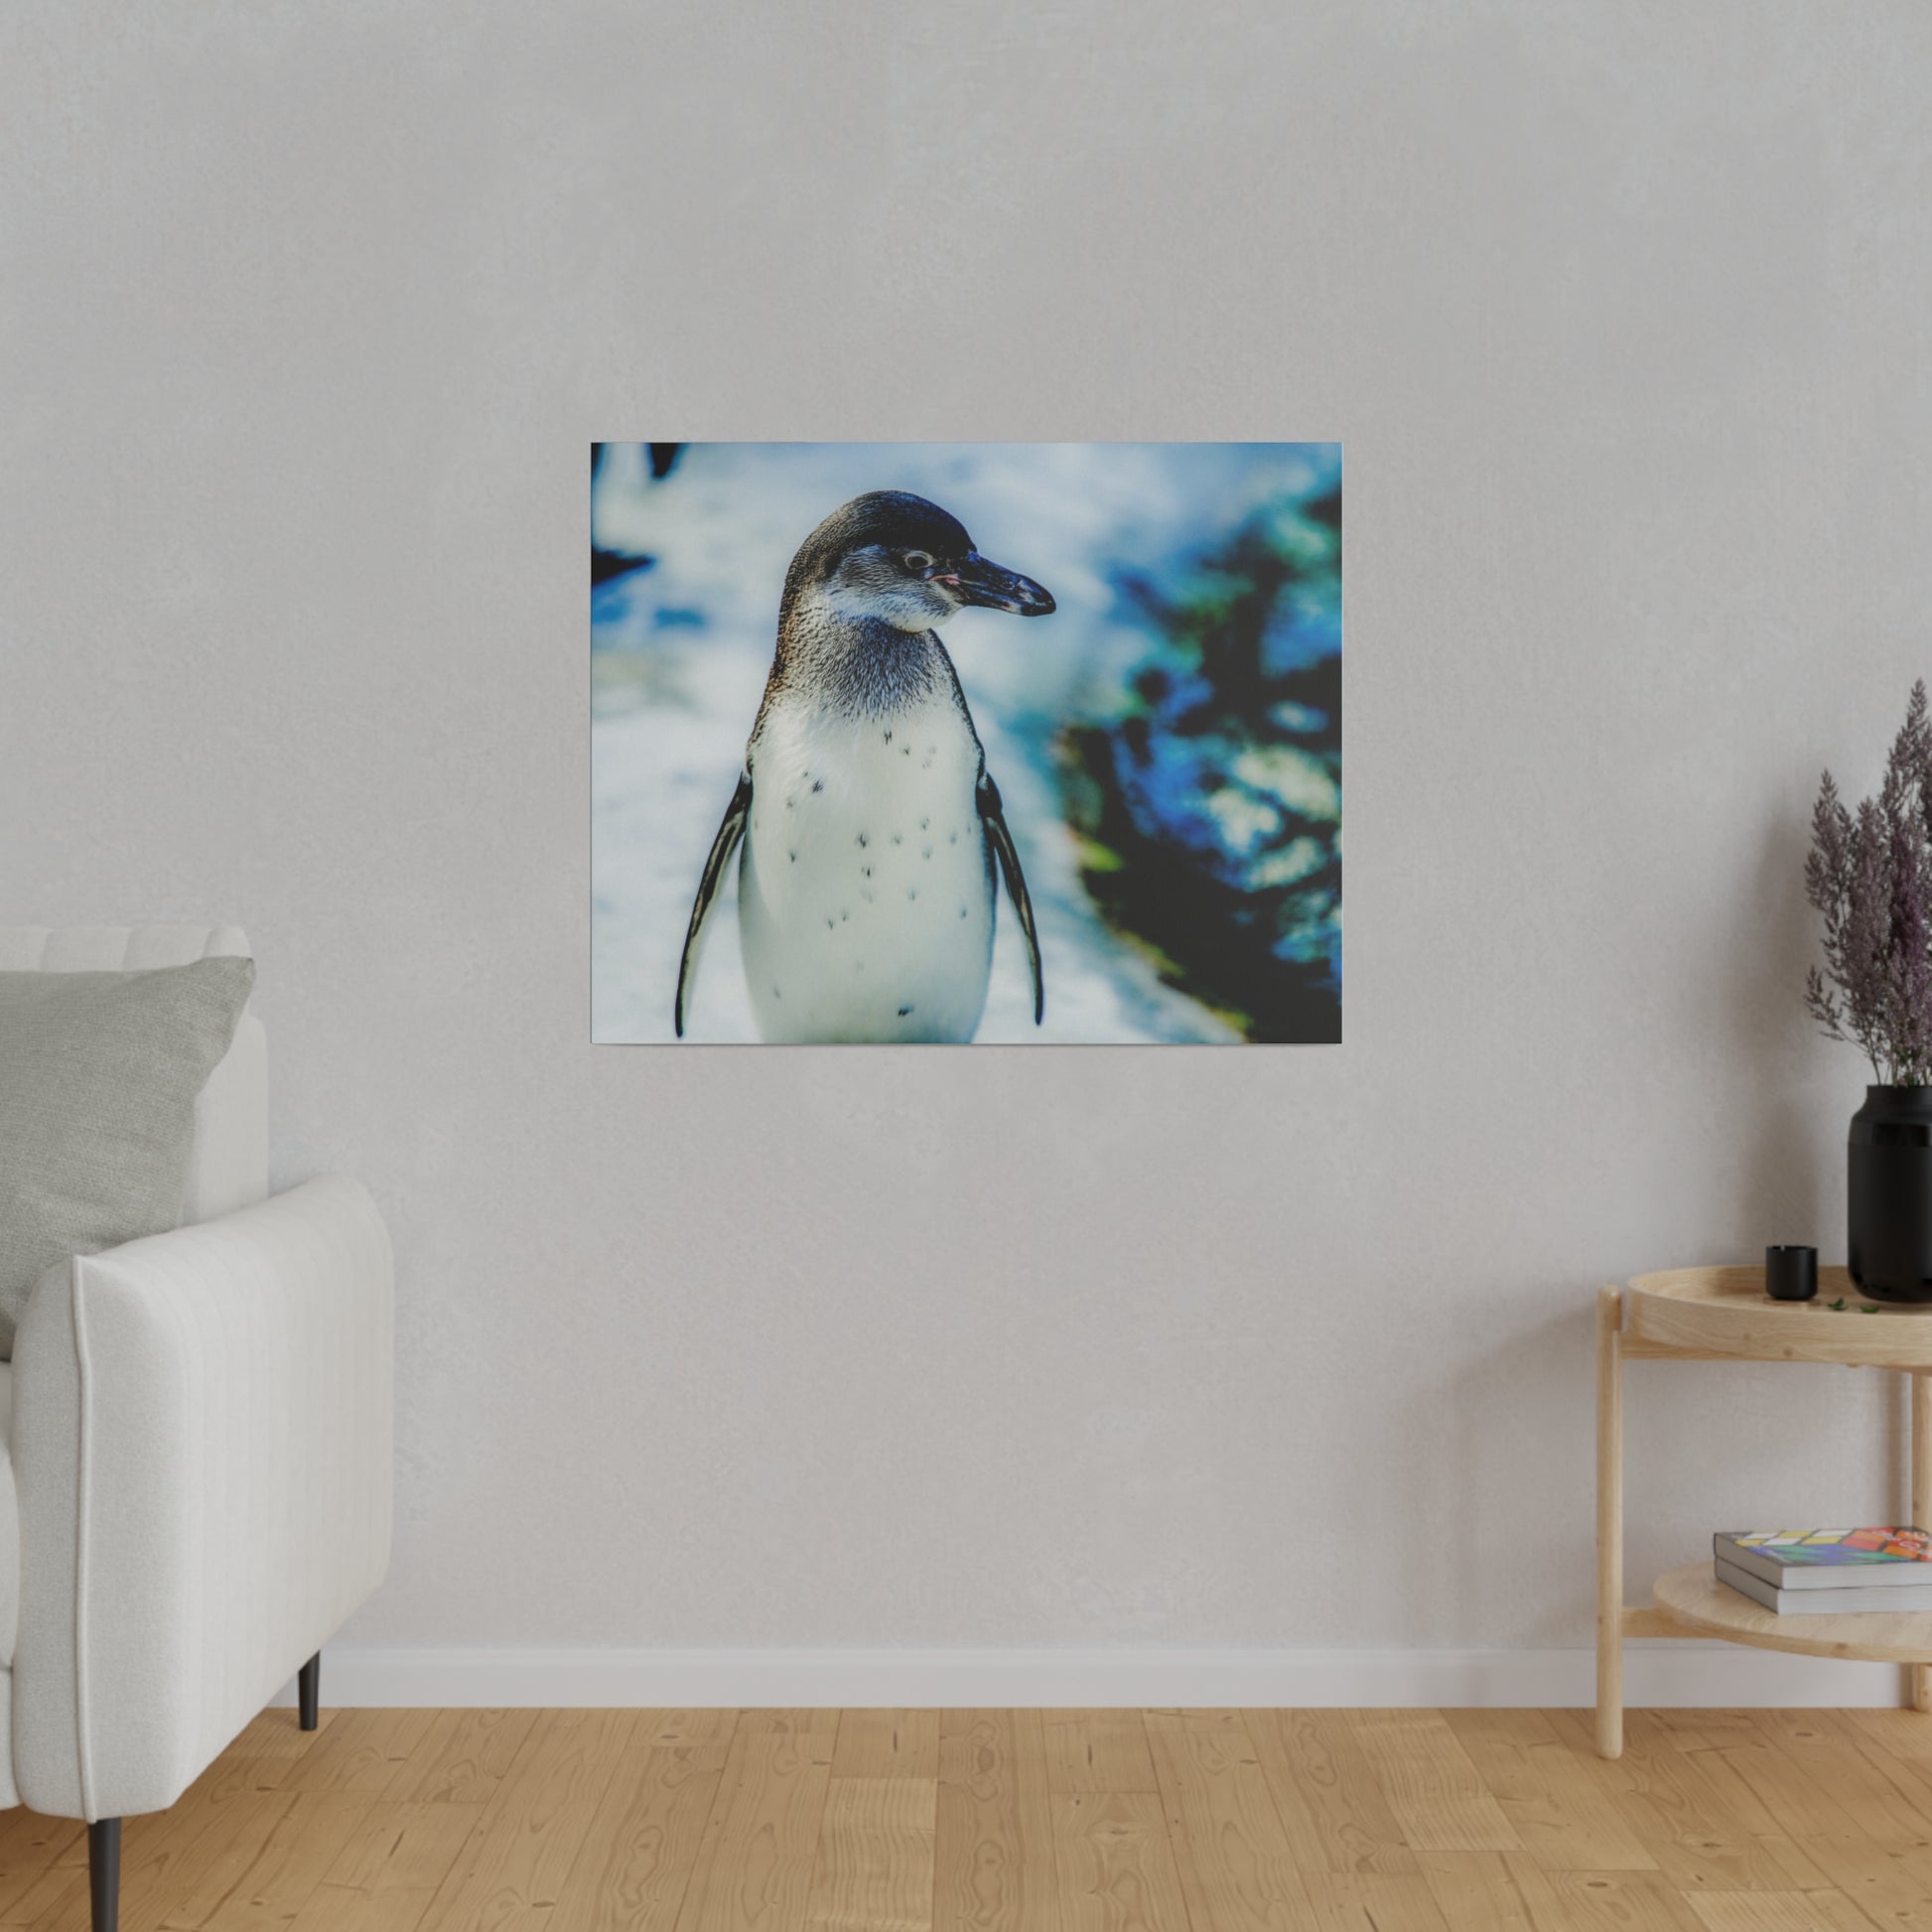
x=1828, y=1573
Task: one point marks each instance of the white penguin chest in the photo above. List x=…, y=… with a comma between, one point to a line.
x=866, y=890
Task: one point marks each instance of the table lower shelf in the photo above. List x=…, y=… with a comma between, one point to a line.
x=1695, y=1602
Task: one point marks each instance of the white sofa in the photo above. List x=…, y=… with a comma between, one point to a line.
x=199, y=1457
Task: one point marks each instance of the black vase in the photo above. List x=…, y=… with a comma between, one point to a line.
x=1889, y=1200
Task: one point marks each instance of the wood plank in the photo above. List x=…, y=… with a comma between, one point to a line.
x=1697, y=1729
x=1886, y=1801
x=361, y=1751
x=1490, y=1892
x=1097, y=1750
x=384, y=1879
x=800, y=1722
x=1551, y=1795
x=1890, y=1885
x=229, y=1774
x=1115, y=1868
x=168, y=1854
x=63, y=1901
x=886, y=1744
x=1802, y=1871
x=906, y=1820
x=1774, y=1795
x=686, y=1726
x=994, y=1867
x=758, y=1864
x=1895, y=1745
x=50, y=1859
x=512, y=1866
x=462, y=1759
x=1223, y=1723
x=220, y=1841
x=279, y=1733
x=295, y=1858
x=1710, y=1774
x=1712, y=1784
x=1899, y=1733
x=1697, y=1841
x=31, y=1847
x=1436, y=1793
x=873, y=1868
x=1780, y=1911
x=645, y=1843
x=1373, y=1901
x=1618, y=1902
x=1237, y=1871
x=1330, y=1805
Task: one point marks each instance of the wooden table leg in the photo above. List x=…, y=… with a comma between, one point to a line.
x=1610, y=1522
x=1921, y=1674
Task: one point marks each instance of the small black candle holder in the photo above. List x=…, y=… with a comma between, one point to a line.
x=1791, y=1274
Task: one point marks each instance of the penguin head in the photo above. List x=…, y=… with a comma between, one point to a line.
x=895, y=558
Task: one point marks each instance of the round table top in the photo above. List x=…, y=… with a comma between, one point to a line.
x=1726, y=1311
x=1694, y=1598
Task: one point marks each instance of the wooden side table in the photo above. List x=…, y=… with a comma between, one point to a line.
x=1706, y=1315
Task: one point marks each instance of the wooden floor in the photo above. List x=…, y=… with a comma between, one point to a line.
x=1028, y=1821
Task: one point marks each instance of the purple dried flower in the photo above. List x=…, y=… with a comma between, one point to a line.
x=1870, y=876
x=1908, y=974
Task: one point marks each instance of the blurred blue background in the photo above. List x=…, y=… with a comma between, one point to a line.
x=1168, y=743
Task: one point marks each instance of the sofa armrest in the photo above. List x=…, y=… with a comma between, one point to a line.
x=204, y=1455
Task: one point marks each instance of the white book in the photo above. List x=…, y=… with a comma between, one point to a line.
x=1895, y=1598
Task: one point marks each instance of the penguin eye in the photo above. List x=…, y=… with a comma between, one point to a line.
x=916, y=561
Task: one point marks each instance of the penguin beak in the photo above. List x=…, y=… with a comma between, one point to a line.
x=974, y=578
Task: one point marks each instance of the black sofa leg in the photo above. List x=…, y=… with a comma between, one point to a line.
x=308, y=1686
x=104, y=1872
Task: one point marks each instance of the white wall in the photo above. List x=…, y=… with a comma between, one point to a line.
x=308, y=317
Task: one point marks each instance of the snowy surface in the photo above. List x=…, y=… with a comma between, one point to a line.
x=681, y=651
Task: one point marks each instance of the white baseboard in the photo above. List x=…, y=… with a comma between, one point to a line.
x=1666, y=1675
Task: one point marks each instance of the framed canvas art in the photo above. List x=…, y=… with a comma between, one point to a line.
x=944, y=742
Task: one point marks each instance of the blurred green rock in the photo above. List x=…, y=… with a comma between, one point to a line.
x=1208, y=807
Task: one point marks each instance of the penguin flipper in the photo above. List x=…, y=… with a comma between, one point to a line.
x=993, y=817
x=722, y=848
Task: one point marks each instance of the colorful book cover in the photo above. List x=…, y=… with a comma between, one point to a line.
x=1821, y=1549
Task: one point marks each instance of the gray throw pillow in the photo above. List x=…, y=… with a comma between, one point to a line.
x=98, y=1075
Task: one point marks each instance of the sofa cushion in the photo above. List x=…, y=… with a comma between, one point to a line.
x=99, y=1077
x=228, y=1168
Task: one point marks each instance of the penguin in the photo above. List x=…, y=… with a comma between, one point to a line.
x=869, y=826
